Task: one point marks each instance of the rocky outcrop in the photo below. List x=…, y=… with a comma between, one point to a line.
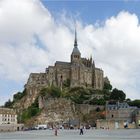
x=60, y=110
x=57, y=110
x=31, y=94
x=53, y=110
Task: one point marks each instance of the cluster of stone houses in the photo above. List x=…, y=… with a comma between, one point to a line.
x=8, y=116
x=8, y=120
x=120, y=115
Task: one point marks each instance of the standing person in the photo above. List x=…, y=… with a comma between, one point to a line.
x=55, y=131
x=81, y=130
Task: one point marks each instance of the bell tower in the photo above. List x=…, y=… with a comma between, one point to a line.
x=76, y=55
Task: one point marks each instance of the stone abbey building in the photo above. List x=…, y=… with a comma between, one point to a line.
x=79, y=72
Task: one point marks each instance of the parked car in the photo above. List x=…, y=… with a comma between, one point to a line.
x=41, y=127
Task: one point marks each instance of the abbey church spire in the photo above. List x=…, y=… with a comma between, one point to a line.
x=76, y=55
x=75, y=41
x=75, y=49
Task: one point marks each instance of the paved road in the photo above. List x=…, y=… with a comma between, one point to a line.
x=73, y=135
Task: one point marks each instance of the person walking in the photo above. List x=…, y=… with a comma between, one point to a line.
x=81, y=130
x=55, y=131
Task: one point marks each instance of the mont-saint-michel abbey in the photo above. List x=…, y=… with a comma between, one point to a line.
x=46, y=100
x=68, y=93
x=79, y=71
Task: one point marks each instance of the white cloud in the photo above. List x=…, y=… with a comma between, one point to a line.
x=31, y=39
x=118, y=51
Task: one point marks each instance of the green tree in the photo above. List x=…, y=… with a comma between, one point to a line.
x=135, y=103
x=118, y=95
x=30, y=112
x=96, y=101
x=52, y=91
x=8, y=104
x=79, y=95
x=16, y=97
x=107, y=86
x=107, y=91
x=55, y=92
x=19, y=95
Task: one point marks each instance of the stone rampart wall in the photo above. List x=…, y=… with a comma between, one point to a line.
x=86, y=109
